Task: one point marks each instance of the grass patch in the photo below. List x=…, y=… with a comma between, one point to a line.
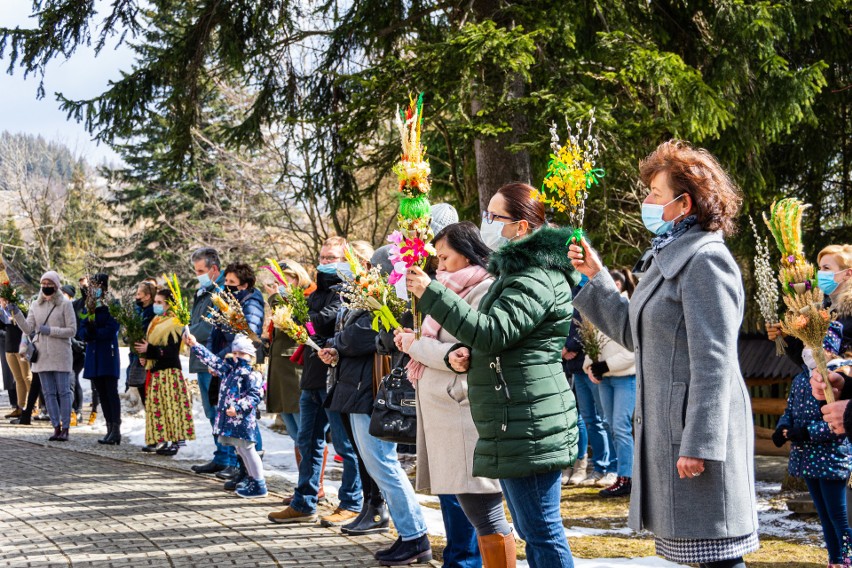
x=583, y=507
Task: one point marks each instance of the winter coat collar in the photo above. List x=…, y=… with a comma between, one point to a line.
x=55, y=299
x=671, y=259
x=545, y=248
x=327, y=281
x=843, y=307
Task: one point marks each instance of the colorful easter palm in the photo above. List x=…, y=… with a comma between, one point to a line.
x=368, y=290
x=412, y=242
x=571, y=173
x=806, y=318
x=178, y=305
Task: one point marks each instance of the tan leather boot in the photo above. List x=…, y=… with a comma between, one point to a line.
x=498, y=551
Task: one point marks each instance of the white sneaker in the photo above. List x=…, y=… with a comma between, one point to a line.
x=607, y=480
x=592, y=479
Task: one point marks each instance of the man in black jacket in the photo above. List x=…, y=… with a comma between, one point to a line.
x=323, y=306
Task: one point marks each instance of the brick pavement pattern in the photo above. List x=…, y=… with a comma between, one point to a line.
x=60, y=507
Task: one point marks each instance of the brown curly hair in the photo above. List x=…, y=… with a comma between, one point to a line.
x=695, y=171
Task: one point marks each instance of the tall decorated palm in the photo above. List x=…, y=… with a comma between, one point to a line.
x=412, y=242
x=806, y=318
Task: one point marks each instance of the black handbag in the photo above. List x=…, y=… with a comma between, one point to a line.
x=31, y=353
x=394, y=416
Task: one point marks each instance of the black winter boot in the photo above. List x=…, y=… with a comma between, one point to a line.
x=105, y=439
x=372, y=520
x=113, y=437
x=57, y=430
x=242, y=475
x=409, y=552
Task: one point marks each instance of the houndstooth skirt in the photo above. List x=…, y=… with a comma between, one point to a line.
x=706, y=550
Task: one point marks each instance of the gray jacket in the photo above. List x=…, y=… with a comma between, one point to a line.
x=54, y=348
x=200, y=328
x=683, y=322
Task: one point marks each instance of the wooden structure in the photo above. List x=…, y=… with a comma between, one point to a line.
x=768, y=378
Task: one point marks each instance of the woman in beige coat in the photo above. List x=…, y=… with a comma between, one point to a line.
x=446, y=435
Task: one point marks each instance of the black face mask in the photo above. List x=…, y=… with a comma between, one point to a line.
x=140, y=303
x=48, y=290
x=84, y=291
x=233, y=289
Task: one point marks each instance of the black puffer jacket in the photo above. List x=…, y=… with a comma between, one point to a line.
x=323, y=305
x=352, y=378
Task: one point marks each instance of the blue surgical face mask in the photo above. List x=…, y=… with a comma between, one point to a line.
x=98, y=293
x=826, y=282
x=282, y=290
x=159, y=310
x=492, y=234
x=204, y=280
x=652, y=217
x=335, y=267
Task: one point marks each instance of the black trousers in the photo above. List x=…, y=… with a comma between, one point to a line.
x=372, y=494
x=77, y=404
x=107, y=388
x=33, y=396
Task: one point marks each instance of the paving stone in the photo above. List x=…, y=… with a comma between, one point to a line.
x=63, y=506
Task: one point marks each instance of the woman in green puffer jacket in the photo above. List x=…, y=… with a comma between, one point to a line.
x=521, y=404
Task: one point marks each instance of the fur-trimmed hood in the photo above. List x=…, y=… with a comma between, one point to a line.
x=544, y=248
x=843, y=306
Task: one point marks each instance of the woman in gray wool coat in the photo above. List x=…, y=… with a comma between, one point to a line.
x=693, y=484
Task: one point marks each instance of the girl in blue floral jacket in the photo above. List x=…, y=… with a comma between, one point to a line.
x=819, y=456
x=240, y=393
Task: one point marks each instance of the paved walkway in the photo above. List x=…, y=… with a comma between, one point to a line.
x=60, y=507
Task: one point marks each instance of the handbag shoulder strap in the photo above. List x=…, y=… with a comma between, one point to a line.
x=45, y=319
x=381, y=369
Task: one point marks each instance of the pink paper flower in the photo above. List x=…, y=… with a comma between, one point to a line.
x=413, y=251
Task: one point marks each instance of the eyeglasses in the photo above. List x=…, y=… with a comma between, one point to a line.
x=489, y=217
x=330, y=259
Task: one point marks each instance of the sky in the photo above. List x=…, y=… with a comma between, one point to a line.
x=82, y=76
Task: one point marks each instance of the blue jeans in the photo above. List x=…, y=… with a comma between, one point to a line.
x=534, y=505
x=382, y=463
x=291, y=422
x=589, y=403
x=582, y=439
x=829, y=497
x=353, y=498
x=313, y=426
x=56, y=389
x=618, y=398
x=224, y=455
x=462, y=550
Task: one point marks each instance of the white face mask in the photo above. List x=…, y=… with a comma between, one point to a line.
x=492, y=233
